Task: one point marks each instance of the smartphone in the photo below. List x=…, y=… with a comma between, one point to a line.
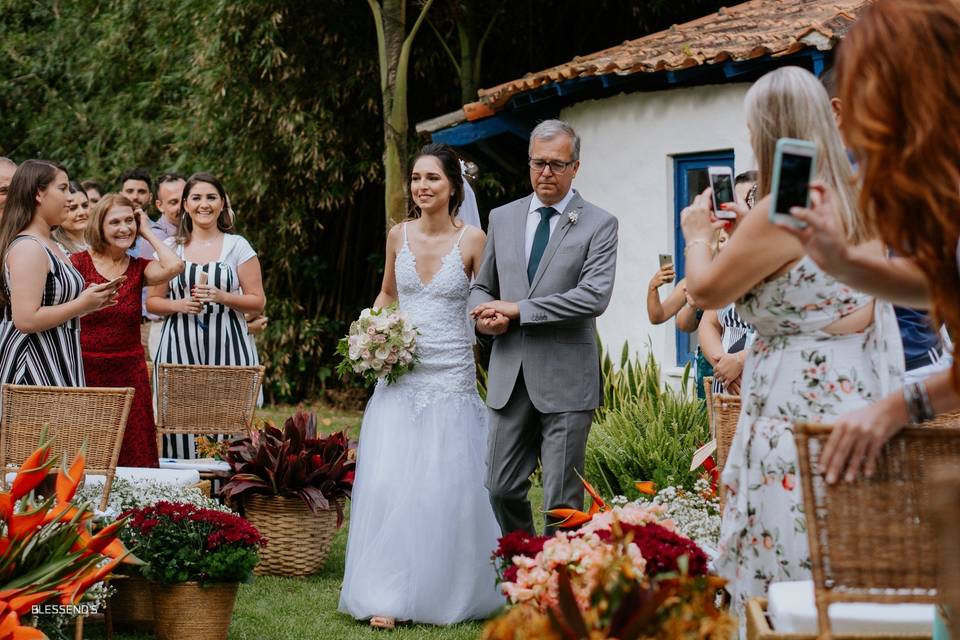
x=665, y=259
x=794, y=167
x=721, y=183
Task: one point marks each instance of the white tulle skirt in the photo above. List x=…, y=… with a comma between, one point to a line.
x=421, y=527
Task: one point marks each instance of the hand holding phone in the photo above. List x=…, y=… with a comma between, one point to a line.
x=665, y=260
x=115, y=283
x=794, y=166
x=721, y=184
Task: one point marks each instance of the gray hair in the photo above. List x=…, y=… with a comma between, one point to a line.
x=550, y=129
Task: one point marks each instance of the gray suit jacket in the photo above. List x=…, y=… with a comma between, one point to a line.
x=555, y=340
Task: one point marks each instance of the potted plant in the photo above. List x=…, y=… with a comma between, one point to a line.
x=195, y=559
x=131, y=602
x=294, y=485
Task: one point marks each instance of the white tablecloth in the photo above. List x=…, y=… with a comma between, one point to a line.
x=792, y=608
x=198, y=465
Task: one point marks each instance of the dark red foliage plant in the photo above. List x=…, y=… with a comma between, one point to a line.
x=295, y=462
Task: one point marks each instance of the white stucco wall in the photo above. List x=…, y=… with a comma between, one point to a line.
x=627, y=147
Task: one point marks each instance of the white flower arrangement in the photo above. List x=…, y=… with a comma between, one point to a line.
x=695, y=514
x=573, y=216
x=381, y=345
x=131, y=494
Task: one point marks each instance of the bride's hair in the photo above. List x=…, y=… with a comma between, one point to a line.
x=450, y=164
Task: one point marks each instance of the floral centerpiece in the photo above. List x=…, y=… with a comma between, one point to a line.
x=381, y=345
x=626, y=573
x=50, y=551
x=195, y=559
x=293, y=485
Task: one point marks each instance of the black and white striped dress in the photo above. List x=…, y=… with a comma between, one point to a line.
x=735, y=336
x=51, y=357
x=216, y=336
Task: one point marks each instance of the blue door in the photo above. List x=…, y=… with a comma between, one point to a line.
x=690, y=179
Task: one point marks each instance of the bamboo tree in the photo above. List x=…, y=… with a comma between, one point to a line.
x=393, y=48
x=466, y=16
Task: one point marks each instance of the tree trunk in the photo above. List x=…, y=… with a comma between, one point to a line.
x=394, y=44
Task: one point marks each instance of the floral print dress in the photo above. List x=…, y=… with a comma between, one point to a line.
x=794, y=372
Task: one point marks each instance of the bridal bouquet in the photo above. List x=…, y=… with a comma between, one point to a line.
x=382, y=344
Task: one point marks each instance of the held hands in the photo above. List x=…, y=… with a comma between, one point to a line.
x=208, y=293
x=99, y=296
x=256, y=323
x=189, y=306
x=664, y=275
x=493, y=318
x=728, y=370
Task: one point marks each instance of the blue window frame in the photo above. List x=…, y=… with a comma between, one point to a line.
x=690, y=179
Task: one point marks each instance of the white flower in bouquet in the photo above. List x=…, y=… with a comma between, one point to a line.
x=381, y=345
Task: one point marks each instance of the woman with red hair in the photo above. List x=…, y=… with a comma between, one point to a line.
x=901, y=118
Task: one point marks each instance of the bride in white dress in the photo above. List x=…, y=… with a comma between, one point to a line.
x=421, y=527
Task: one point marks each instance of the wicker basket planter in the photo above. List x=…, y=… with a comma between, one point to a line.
x=297, y=540
x=187, y=610
x=131, y=605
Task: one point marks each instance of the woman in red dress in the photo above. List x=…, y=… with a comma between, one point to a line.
x=110, y=338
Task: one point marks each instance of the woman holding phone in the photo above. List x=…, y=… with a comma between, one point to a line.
x=205, y=305
x=112, y=352
x=821, y=347
x=43, y=295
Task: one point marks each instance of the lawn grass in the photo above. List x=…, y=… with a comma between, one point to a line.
x=272, y=608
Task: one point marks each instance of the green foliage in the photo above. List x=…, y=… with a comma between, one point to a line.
x=645, y=432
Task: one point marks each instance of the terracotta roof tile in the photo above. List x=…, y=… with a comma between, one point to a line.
x=742, y=32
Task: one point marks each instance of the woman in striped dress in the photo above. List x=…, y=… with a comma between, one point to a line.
x=724, y=338
x=43, y=295
x=204, y=305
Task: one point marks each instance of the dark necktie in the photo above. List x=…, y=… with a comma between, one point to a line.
x=540, y=240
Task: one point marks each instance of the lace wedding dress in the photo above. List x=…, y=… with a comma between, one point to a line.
x=421, y=527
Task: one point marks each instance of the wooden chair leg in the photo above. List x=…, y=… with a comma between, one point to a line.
x=108, y=622
x=78, y=629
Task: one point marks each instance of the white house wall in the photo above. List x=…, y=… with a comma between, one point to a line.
x=627, y=147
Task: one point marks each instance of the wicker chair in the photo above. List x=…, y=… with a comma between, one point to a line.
x=198, y=399
x=946, y=512
x=708, y=400
x=72, y=415
x=872, y=540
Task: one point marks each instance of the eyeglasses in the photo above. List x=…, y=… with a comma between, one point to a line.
x=556, y=166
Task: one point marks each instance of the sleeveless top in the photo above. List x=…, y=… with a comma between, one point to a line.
x=737, y=335
x=50, y=357
x=438, y=310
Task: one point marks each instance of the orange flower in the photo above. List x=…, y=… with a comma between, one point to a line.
x=646, y=487
x=31, y=473
x=26, y=523
x=67, y=482
x=569, y=518
x=22, y=604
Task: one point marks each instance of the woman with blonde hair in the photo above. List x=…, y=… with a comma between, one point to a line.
x=821, y=347
x=69, y=235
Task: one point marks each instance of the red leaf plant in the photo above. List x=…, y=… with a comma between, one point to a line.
x=294, y=462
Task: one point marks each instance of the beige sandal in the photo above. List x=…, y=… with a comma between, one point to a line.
x=383, y=622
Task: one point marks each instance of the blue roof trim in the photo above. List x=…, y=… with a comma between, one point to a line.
x=470, y=132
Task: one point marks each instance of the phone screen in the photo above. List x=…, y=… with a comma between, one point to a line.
x=722, y=187
x=794, y=182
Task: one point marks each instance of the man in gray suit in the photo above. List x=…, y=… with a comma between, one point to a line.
x=547, y=273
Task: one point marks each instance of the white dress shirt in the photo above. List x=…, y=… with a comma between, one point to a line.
x=533, y=219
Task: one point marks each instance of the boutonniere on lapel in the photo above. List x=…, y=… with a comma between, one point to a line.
x=573, y=216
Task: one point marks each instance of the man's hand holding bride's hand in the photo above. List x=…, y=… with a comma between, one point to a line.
x=493, y=318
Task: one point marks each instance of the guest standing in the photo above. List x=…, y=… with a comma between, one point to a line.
x=910, y=195
x=43, y=295
x=94, y=191
x=204, y=322
x=169, y=195
x=7, y=168
x=822, y=348
x=69, y=235
x=112, y=354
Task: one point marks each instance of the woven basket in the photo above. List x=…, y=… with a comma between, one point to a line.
x=758, y=627
x=297, y=540
x=187, y=610
x=131, y=605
